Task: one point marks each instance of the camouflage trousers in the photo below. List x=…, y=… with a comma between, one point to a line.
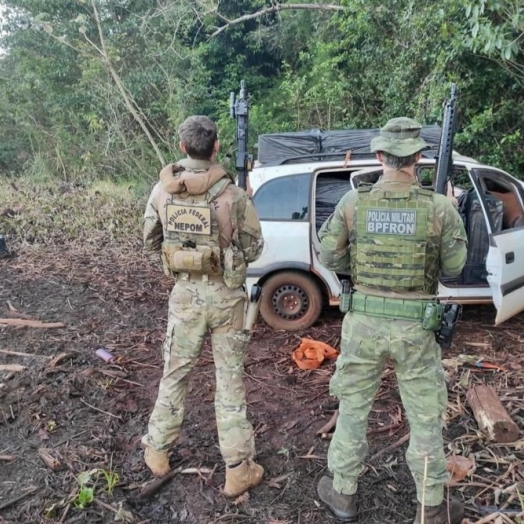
x=194, y=308
x=367, y=343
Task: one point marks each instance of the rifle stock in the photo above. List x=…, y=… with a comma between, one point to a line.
x=444, y=165
x=239, y=110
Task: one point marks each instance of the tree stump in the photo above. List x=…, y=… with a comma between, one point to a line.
x=491, y=416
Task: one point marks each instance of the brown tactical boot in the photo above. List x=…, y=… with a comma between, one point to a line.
x=156, y=461
x=443, y=514
x=344, y=507
x=241, y=477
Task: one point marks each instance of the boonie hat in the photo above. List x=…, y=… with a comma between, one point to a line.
x=399, y=137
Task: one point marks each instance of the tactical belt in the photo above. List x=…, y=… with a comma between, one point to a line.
x=388, y=307
x=199, y=277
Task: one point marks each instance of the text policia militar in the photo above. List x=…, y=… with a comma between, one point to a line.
x=390, y=222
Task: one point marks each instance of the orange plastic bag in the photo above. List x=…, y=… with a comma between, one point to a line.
x=458, y=468
x=311, y=353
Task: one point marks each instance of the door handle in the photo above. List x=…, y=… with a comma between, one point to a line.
x=510, y=257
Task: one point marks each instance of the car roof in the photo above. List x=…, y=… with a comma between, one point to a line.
x=276, y=171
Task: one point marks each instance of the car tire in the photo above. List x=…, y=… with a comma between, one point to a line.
x=291, y=301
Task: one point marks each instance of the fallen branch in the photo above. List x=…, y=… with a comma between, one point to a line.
x=66, y=511
x=67, y=439
x=383, y=429
x=9, y=503
x=329, y=425
x=396, y=444
x=274, y=9
x=11, y=367
x=30, y=323
x=498, y=515
x=196, y=471
x=375, y=431
x=100, y=410
x=210, y=476
x=105, y=505
x=56, y=360
x=19, y=354
x=152, y=487
x=275, y=482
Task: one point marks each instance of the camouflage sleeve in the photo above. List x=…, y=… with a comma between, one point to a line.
x=334, y=235
x=153, y=231
x=453, y=240
x=249, y=229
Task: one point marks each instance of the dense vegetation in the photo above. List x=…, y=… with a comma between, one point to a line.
x=95, y=88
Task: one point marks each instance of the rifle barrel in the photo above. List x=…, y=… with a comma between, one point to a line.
x=239, y=109
x=444, y=164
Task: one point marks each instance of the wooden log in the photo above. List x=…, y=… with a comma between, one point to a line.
x=491, y=416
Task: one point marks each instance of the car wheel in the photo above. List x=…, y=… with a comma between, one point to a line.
x=290, y=301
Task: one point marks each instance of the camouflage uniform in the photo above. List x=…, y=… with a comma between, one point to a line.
x=369, y=339
x=200, y=302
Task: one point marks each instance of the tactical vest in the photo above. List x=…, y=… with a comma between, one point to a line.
x=191, y=233
x=392, y=249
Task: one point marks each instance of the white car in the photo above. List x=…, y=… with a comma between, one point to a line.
x=293, y=197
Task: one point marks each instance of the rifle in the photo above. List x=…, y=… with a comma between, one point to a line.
x=239, y=110
x=444, y=165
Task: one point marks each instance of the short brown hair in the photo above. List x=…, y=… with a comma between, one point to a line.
x=398, y=162
x=198, y=134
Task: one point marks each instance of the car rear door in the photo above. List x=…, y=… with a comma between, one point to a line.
x=282, y=205
x=505, y=266
x=505, y=260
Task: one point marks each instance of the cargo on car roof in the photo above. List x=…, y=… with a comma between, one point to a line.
x=315, y=144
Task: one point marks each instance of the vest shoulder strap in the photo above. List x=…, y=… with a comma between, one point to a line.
x=217, y=189
x=425, y=192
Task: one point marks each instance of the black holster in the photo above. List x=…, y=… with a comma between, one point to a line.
x=450, y=316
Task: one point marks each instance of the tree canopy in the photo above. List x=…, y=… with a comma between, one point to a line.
x=94, y=88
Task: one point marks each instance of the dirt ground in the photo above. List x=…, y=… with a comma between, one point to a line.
x=88, y=414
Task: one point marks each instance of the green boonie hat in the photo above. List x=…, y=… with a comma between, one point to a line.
x=399, y=137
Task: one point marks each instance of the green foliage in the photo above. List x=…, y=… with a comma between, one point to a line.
x=87, y=481
x=85, y=497
x=86, y=494
x=496, y=30
x=96, y=213
x=63, y=116
x=112, y=479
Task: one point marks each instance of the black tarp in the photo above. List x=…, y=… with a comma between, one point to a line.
x=273, y=148
x=329, y=190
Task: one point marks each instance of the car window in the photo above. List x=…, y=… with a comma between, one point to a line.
x=425, y=175
x=285, y=198
x=503, y=194
x=459, y=176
